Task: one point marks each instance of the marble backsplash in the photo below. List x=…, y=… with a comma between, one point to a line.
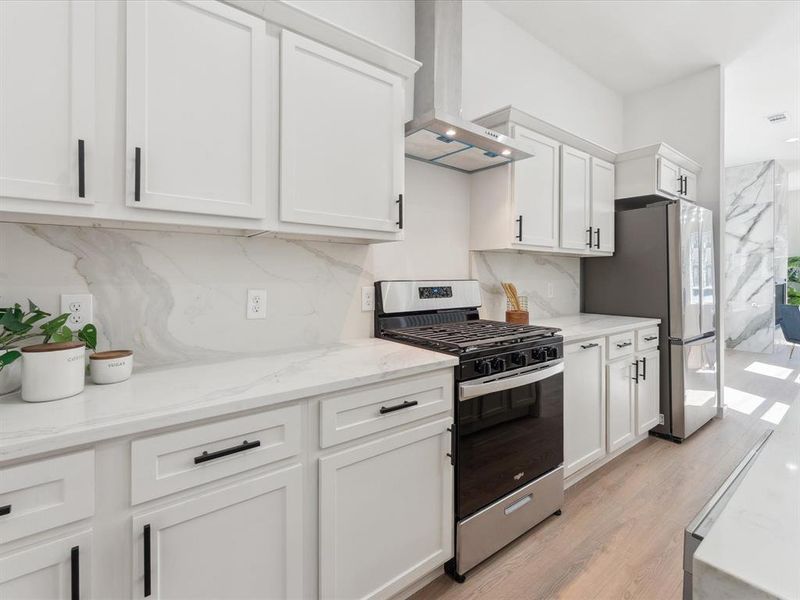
x=756, y=249
x=551, y=283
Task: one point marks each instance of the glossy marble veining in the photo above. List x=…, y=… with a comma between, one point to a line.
x=755, y=253
x=201, y=389
x=582, y=326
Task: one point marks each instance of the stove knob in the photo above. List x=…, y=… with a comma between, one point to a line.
x=519, y=359
x=498, y=365
x=482, y=367
x=552, y=352
x=539, y=354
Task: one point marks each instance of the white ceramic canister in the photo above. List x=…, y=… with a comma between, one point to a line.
x=53, y=371
x=112, y=366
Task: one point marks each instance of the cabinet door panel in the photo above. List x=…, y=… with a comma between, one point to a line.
x=668, y=177
x=197, y=107
x=603, y=205
x=46, y=98
x=243, y=541
x=621, y=409
x=45, y=571
x=691, y=185
x=575, y=194
x=536, y=190
x=386, y=513
x=342, y=139
x=584, y=404
x=648, y=393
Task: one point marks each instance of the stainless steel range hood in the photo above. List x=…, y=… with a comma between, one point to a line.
x=438, y=134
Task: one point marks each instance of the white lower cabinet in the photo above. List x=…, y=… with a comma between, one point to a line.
x=584, y=404
x=242, y=541
x=621, y=407
x=386, y=512
x=648, y=391
x=50, y=570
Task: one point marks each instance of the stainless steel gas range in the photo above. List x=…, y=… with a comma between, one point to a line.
x=508, y=426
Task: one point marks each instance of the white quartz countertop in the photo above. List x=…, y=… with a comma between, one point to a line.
x=752, y=550
x=583, y=326
x=170, y=396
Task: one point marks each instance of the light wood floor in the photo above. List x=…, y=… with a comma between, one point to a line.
x=621, y=532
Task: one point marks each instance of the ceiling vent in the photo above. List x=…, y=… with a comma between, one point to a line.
x=777, y=118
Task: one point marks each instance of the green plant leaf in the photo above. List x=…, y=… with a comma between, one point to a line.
x=88, y=334
x=54, y=325
x=9, y=357
x=64, y=334
x=10, y=322
x=32, y=307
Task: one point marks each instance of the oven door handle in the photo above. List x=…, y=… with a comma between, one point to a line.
x=472, y=389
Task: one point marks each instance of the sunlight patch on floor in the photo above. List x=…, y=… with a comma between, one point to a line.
x=775, y=413
x=768, y=370
x=742, y=401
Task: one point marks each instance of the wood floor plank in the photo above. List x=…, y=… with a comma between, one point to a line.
x=621, y=531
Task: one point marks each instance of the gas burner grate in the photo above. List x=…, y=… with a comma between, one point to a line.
x=462, y=335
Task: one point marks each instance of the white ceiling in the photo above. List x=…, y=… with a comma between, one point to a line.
x=632, y=46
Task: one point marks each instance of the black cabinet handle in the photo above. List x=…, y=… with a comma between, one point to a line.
x=519, y=228
x=451, y=454
x=81, y=171
x=4, y=510
x=644, y=369
x=206, y=456
x=650, y=338
x=137, y=175
x=598, y=238
x=406, y=404
x=400, y=211
x=587, y=346
x=624, y=344
x=147, y=574
x=589, y=231
x=636, y=366
x=75, y=575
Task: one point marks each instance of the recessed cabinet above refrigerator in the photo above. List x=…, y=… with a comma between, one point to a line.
x=657, y=170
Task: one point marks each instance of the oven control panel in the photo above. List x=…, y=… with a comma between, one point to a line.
x=500, y=361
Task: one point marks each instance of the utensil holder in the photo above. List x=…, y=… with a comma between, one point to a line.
x=518, y=317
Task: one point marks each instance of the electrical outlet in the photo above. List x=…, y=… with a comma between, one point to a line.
x=550, y=293
x=367, y=298
x=660, y=419
x=256, y=304
x=79, y=307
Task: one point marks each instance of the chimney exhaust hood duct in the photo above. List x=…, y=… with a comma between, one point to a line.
x=438, y=134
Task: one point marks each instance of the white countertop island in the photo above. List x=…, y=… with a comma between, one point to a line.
x=180, y=394
x=584, y=326
x=753, y=549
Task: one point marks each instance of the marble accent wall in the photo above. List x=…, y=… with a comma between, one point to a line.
x=755, y=245
x=551, y=283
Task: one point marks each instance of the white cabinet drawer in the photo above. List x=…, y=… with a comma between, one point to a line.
x=620, y=344
x=41, y=495
x=170, y=462
x=647, y=338
x=359, y=412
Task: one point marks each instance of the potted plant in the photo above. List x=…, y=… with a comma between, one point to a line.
x=18, y=325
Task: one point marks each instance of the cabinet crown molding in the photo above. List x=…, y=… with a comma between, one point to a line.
x=664, y=150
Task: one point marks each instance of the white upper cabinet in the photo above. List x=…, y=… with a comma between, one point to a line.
x=536, y=191
x=602, y=205
x=196, y=135
x=576, y=232
x=669, y=179
x=657, y=170
x=47, y=120
x=341, y=140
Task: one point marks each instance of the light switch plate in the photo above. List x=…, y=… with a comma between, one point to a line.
x=550, y=293
x=80, y=309
x=367, y=298
x=256, y=304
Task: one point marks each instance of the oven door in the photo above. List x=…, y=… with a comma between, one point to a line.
x=510, y=430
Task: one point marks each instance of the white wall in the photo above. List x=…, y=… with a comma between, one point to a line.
x=503, y=64
x=688, y=114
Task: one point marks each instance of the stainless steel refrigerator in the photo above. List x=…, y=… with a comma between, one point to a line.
x=663, y=266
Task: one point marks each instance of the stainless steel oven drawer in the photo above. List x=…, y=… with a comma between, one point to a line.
x=493, y=527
